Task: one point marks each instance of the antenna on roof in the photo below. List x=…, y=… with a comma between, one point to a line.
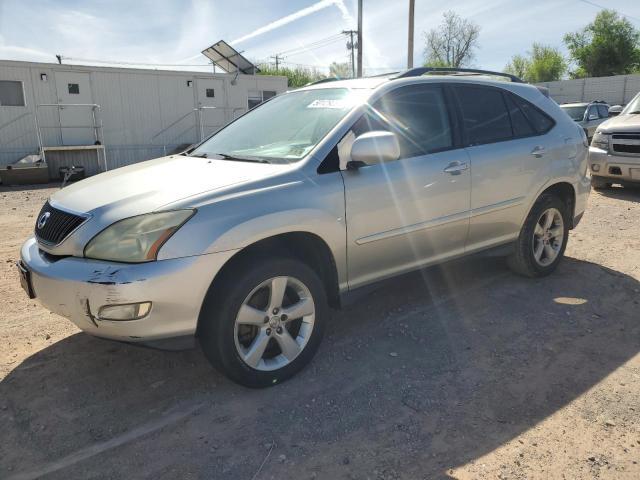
x=59, y=57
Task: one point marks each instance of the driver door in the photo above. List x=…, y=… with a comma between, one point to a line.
x=413, y=211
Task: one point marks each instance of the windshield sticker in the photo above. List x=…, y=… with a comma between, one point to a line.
x=334, y=103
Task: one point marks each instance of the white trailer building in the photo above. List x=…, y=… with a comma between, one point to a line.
x=102, y=117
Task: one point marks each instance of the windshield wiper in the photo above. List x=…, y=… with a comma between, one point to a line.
x=225, y=156
x=634, y=112
x=199, y=155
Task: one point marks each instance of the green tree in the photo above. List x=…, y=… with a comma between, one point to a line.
x=452, y=43
x=340, y=70
x=542, y=64
x=609, y=45
x=296, y=77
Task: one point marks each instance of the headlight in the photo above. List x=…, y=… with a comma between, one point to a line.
x=600, y=140
x=136, y=239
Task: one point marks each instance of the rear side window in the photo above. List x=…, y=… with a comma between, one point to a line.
x=484, y=114
x=539, y=120
x=417, y=114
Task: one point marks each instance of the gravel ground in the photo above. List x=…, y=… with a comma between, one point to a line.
x=464, y=371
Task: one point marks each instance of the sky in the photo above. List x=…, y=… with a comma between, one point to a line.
x=172, y=33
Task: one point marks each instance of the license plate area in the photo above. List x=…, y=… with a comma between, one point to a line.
x=25, y=279
x=635, y=173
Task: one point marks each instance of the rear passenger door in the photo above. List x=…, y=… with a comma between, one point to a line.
x=510, y=153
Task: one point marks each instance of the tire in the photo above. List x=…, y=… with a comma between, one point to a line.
x=525, y=261
x=230, y=344
x=599, y=183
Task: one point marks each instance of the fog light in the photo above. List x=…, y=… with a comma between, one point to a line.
x=595, y=167
x=129, y=311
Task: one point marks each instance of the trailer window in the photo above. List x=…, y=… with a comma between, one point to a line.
x=11, y=93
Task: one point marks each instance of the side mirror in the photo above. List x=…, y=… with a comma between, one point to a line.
x=373, y=147
x=615, y=110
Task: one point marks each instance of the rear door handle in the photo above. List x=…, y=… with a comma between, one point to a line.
x=455, y=168
x=538, y=151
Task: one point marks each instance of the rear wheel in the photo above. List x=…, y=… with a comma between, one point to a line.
x=265, y=323
x=543, y=238
x=599, y=183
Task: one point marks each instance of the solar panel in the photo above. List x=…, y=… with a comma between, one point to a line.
x=229, y=59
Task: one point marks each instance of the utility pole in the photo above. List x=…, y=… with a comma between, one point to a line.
x=277, y=58
x=410, y=46
x=359, y=38
x=59, y=57
x=351, y=46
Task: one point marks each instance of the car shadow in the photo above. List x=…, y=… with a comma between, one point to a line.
x=628, y=193
x=427, y=372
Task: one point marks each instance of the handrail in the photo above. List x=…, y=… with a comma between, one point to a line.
x=190, y=112
x=96, y=127
x=198, y=118
x=14, y=120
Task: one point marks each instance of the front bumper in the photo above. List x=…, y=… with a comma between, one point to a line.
x=625, y=168
x=76, y=288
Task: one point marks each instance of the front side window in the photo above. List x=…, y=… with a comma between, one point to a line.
x=417, y=114
x=284, y=129
x=11, y=94
x=603, y=111
x=484, y=114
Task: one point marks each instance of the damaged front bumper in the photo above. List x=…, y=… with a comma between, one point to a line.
x=77, y=288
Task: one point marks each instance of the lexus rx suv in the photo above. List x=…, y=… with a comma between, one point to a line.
x=246, y=241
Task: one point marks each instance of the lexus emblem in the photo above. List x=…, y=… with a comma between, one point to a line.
x=43, y=220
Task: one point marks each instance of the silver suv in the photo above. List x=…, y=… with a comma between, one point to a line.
x=247, y=240
x=587, y=115
x=614, y=156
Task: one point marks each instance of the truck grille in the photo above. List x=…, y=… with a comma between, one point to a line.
x=53, y=225
x=628, y=143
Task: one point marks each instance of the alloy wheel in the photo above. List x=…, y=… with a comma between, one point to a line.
x=274, y=323
x=548, y=236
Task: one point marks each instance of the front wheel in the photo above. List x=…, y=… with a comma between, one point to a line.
x=264, y=323
x=543, y=238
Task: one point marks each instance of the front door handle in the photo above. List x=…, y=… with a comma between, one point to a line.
x=538, y=151
x=455, y=168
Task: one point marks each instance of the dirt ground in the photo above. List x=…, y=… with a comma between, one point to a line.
x=465, y=371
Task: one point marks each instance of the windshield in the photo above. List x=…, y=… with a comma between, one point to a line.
x=284, y=129
x=633, y=107
x=576, y=113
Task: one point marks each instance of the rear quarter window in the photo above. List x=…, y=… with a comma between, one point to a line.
x=540, y=121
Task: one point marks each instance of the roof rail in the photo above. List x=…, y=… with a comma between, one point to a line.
x=416, y=72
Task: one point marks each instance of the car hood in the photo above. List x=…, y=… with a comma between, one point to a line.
x=621, y=123
x=148, y=186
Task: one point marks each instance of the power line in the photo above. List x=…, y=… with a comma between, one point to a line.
x=602, y=7
x=314, y=44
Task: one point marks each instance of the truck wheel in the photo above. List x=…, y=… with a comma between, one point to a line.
x=543, y=238
x=599, y=183
x=264, y=323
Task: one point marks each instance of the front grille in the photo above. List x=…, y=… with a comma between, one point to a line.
x=626, y=143
x=57, y=225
